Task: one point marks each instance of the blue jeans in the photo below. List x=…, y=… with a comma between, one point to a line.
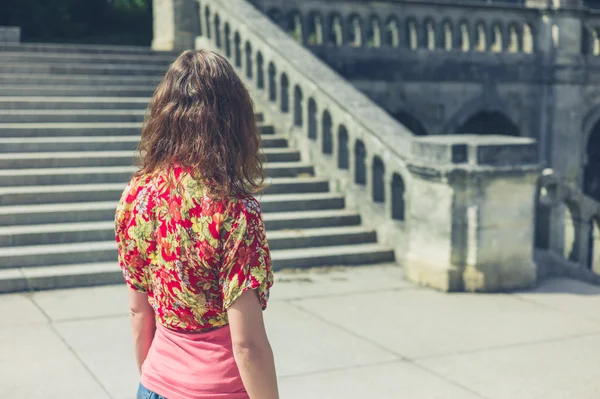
x=145, y=393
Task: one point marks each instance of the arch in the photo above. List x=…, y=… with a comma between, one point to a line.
x=591, y=169
x=285, y=94
x=315, y=29
x=237, y=49
x=410, y=122
x=412, y=34
x=481, y=37
x=378, y=185
x=488, y=122
x=207, y=18
x=465, y=37
x=298, y=112
x=355, y=31
x=497, y=42
x=398, y=200
x=343, y=152
x=336, y=30
x=448, y=36
x=392, y=33
x=360, y=169
x=249, y=72
x=430, y=34
x=260, y=71
x=218, y=31
x=514, y=43
x=374, y=37
x=528, y=39
x=595, y=42
x=312, y=119
x=227, y=32
x=272, y=82
x=327, y=140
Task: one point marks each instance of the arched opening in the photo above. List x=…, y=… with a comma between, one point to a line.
x=591, y=173
x=327, y=145
x=227, y=41
x=378, y=180
x=315, y=30
x=488, y=122
x=392, y=33
x=465, y=39
x=448, y=37
x=285, y=94
x=297, y=106
x=295, y=23
x=595, y=43
x=207, y=18
x=272, y=83
x=360, y=169
x=238, y=50
x=355, y=31
x=398, y=201
x=260, y=71
x=430, y=35
x=412, y=35
x=343, y=153
x=481, y=43
x=528, y=43
x=513, y=37
x=374, y=39
x=312, y=119
x=336, y=33
x=497, y=42
x=410, y=122
x=249, y=73
x=218, y=31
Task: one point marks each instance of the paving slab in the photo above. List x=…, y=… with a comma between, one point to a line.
x=35, y=363
x=561, y=369
x=303, y=343
x=571, y=296
x=420, y=322
x=385, y=381
x=104, y=345
x=19, y=310
x=328, y=281
x=83, y=303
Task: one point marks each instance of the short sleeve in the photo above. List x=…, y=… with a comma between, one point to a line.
x=245, y=255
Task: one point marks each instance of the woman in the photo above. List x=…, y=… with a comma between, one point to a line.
x=192, y=243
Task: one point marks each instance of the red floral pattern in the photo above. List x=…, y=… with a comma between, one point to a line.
x=193, y=255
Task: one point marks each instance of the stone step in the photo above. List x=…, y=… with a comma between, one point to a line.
x=58, y=68
x=115, y=174
x=83, y=58
x=73, y=79
x=308, y=220
x=30, y=195
x=105, y=251
x=82, y=129
x=72, y=116
x=33, y=160
x=96, y=143
x=73, y=103
x=33, y=236
x=84, y=49
x=82, y=90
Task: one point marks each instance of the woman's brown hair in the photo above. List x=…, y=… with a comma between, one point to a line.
x=202, y=117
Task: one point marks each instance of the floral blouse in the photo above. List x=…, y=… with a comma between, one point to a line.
x=193, y=255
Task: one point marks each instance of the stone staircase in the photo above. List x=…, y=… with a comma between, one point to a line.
x=70, y=118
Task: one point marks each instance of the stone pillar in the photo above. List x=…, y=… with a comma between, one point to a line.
x=176, y=24
x=471, y=217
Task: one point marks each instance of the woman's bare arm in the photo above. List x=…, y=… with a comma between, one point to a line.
x=143, y=325
x=251, y=347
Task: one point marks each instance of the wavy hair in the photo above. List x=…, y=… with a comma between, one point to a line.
x=202, y=118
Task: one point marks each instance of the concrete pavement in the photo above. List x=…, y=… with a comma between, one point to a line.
x=337, y=334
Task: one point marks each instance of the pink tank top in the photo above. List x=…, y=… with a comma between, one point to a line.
x=184, y=365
